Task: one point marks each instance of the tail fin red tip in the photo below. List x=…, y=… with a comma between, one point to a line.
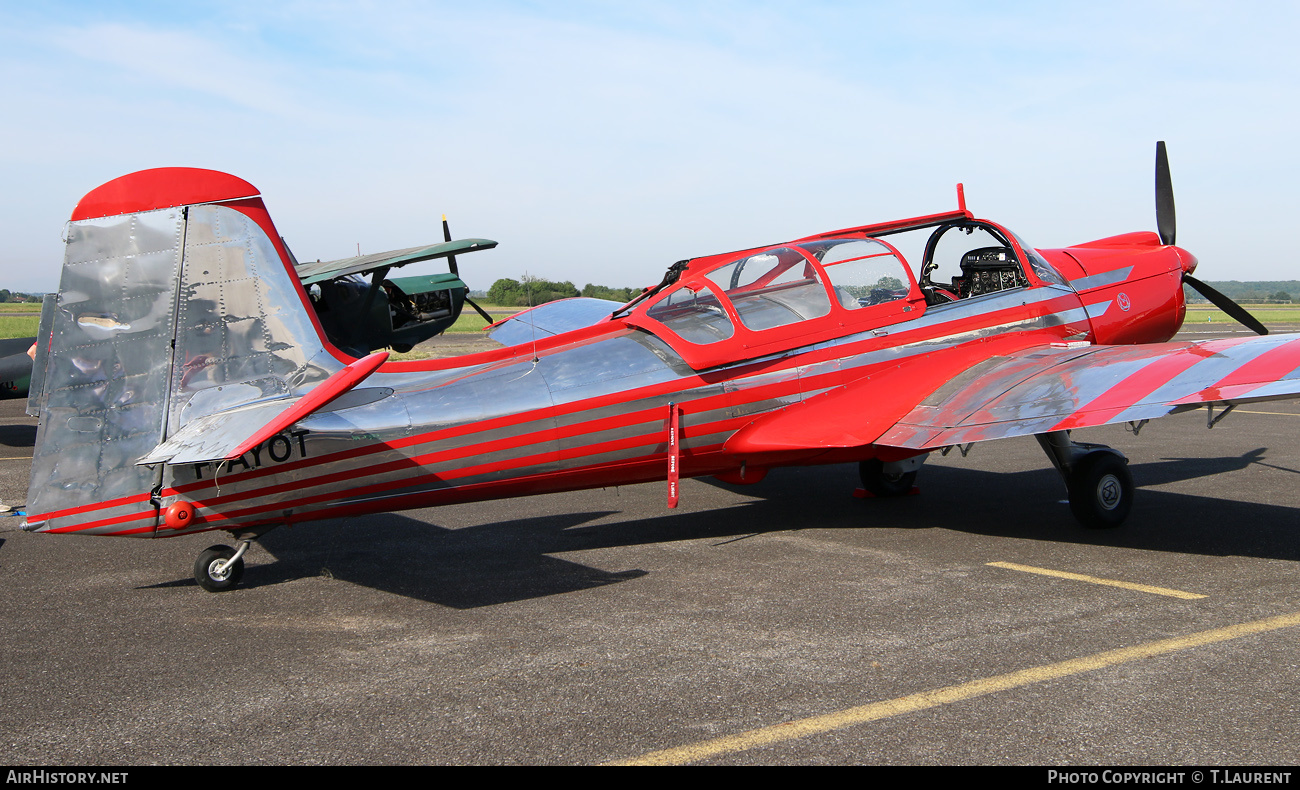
x=161, y=187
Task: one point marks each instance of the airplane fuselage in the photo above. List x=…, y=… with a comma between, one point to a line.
x=592, y=410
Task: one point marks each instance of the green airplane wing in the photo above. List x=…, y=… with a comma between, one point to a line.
x=319, y=271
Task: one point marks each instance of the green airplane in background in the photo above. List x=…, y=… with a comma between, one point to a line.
x=360, y=316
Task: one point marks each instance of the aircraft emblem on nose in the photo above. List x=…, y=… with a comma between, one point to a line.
x=1123, y=301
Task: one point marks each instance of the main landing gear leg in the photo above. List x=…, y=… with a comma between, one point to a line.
x=219, y=568
x=1096, y=477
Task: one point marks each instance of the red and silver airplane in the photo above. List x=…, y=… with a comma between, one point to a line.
x=192, y=376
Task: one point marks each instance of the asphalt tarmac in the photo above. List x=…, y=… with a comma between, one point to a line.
x=784, y=622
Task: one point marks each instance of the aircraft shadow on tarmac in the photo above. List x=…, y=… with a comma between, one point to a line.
x=500, y=562
x=460, y=568
x=480, y=565
x=1032, y=505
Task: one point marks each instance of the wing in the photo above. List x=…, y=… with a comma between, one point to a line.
x=1031, y=391
x=1101, y=385
x=318, y=271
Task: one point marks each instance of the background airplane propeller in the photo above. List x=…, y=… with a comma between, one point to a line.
x=1166, y=226
x=451, y=265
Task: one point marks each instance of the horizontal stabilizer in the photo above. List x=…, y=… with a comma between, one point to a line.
x=214, y=437
x=319, y=271
x=228, y=434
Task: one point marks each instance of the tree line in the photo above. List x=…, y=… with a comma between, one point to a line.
x=534, y=291
x=7, y=295
x=1260, y=292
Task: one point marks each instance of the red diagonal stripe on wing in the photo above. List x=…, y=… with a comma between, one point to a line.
x=1263, y=369
x=1137, y=386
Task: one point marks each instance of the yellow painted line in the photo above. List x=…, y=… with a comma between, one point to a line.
x=1079, y=577
x=1274, y=413
x=816, y=725
x=17, y=458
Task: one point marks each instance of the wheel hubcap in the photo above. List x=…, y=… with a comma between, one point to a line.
x=1108, y=492
x=216, y=572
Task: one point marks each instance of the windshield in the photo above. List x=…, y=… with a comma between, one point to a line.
x=1045, y=271
x=695, y=315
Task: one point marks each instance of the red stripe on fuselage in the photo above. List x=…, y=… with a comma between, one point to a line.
x=150, y=514
x=105, y=505
x=654, y=433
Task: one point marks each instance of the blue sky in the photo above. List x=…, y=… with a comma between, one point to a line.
x=599, y=142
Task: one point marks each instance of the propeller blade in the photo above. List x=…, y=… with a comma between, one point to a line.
x=1165, y=223
x=486, y=315
x=451, y=259
x=451, y=266
x=1225, y=304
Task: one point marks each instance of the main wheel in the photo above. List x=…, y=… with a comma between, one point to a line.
x=881, y=484
x=1101, y=490
x=209, y=573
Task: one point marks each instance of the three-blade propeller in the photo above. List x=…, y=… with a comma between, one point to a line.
x=1166, y=227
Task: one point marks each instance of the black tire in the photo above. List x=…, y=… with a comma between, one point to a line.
x=205, y=572
x=1101, y=490
x=880, y=484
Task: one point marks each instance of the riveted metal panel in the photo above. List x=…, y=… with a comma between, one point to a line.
x=105, y=381
x=240, y=321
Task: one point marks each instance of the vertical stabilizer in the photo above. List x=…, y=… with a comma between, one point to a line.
x=176, y=300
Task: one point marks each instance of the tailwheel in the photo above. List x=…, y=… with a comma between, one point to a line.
x=219, y=568
x=886, y=480
x=1101, y=490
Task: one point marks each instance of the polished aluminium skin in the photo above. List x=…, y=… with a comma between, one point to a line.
x=182, y=330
